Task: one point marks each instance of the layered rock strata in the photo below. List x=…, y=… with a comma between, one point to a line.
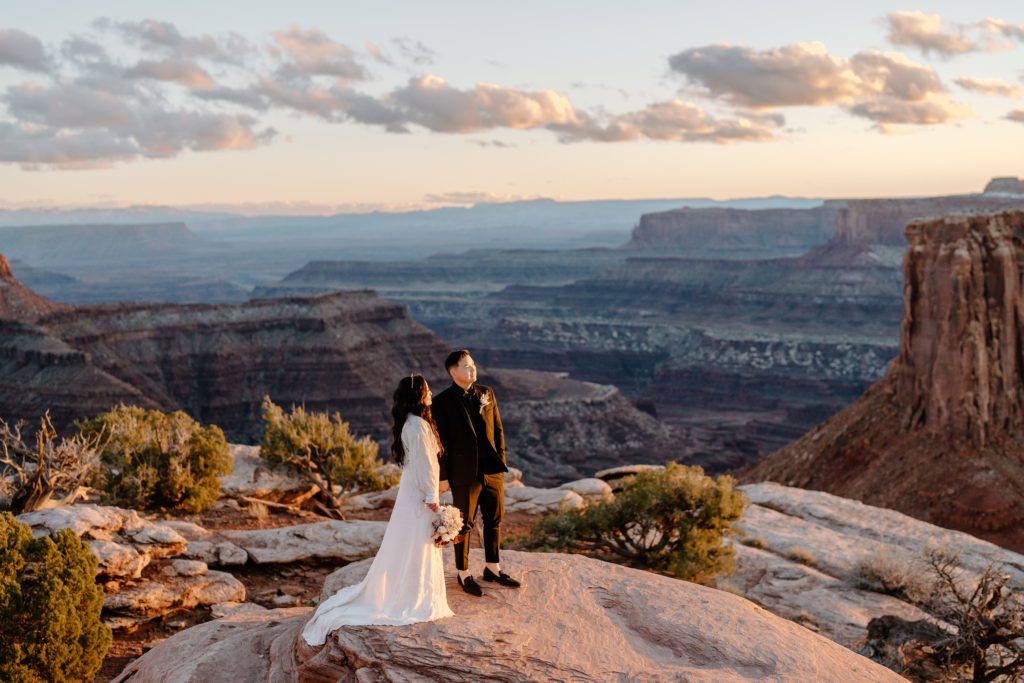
x=338, y=352
x=941, y=436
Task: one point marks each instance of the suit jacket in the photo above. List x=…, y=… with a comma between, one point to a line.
x=461, y=459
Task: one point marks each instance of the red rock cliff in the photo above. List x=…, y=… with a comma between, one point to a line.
x=959, y=369
x=941, y=436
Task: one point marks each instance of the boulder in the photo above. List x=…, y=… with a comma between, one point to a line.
x=346, y=541
x=535, y=501
x=622, y=624
x=136, y=605
x=591, y=488
x=124, y=542
x=257, y=478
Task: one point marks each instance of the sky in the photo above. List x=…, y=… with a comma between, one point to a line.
x=317, y=108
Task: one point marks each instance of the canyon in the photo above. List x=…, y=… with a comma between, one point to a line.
x=941, y=435
x=741, y=356
x=337, y=352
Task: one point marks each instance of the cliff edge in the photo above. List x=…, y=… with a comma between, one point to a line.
x=941, y=436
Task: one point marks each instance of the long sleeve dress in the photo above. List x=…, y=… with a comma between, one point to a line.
x=405, y=583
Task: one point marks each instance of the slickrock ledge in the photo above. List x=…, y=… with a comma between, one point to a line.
x=574, y=619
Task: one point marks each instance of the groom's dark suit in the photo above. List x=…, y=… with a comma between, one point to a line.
x=469, y=425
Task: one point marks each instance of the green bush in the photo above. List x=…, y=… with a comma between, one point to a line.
x=50, y=628
x=674, y=520
x=158, y=460
x=322, y=449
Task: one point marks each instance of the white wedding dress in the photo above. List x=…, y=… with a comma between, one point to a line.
x=405, y=583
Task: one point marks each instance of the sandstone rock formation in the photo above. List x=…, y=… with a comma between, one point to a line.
x=941, y=436
x=869, y=232
x=621, y=624
x=18, y=301
x=124, y=542
x=843, y=541
x=335, y=540
x=711, y=233
x=141, y=580
x=1005, y=185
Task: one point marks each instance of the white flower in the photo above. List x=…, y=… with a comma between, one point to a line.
x=442, y=529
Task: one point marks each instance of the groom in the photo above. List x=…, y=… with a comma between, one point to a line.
x=473, y=464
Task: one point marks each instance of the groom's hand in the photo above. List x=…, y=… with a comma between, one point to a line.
x=443, y=487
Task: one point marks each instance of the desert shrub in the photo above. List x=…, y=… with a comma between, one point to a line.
x=754, y=542
x=896, y=576
x=674, y=520
x=986, y=641
x=51, y=468
x=50, y=628
x=159, y=460
x=975, y=629
x=802, y=555
x=321, y=447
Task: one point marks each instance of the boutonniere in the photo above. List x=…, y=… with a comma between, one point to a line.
x=485, y=400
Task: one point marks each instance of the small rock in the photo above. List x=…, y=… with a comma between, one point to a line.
x=227, y=504
x=177, y=625
x=292, y=589
x=185, y=568
x=590, y=489
x=286, y=601
x=227, y=609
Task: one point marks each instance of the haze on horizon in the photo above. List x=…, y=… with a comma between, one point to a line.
x=309, y=109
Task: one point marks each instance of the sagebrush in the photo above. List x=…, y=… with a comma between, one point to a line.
x=50, y=628
x=674, y=520
x=159, y=460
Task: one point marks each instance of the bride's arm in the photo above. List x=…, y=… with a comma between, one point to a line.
x=421, y=460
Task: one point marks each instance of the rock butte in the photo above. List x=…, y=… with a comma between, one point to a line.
x=941, y=436
x=574, y=619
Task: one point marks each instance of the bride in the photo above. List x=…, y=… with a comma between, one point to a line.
x=405, y=583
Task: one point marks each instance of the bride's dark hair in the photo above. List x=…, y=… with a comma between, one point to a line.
x=410, y=398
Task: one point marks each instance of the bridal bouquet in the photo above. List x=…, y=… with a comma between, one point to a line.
x=447, y=525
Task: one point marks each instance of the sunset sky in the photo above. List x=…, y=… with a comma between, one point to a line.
x=314, y=107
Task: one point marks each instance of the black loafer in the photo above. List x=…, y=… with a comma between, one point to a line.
x=501, y=577
x=471, y=586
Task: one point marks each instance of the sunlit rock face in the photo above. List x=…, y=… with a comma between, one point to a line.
x=941, y=436
x=622, y=624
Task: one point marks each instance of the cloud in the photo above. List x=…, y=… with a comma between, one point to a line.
x=430, y=102
x=998, y=27
x=377, y=54
x=474, y=197
x=35, y=147
x=928, y=33
x=673, y=120
x=931, y=33
x=313, y=53
x=991, y=86
x=493, y=143
x=22, y=50
x=1016, y=115
x=884, y=87
x=414, y=51
x=797, y=74
x=165, y=37
x=66, y=106
x=187, y=73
